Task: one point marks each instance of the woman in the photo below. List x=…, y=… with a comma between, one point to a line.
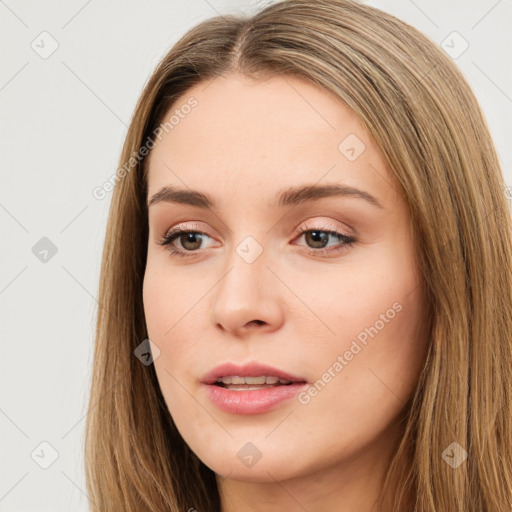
x=306, y=281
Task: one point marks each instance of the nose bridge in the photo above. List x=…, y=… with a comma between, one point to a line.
x=247, y=269
x=251, y=243
x=245, y=294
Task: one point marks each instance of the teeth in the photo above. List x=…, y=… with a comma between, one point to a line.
x=235, y=379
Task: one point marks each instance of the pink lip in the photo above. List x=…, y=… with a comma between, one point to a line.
x=247, y=370
x=255, y=401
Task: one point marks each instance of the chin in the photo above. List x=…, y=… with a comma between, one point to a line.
x=249, y=466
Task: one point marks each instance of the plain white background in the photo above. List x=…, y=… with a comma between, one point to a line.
x=63, y=120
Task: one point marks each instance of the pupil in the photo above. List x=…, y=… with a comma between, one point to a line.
x=189, y=237
x=319, y=237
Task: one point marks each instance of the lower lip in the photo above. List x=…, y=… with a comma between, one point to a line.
x=253, y=401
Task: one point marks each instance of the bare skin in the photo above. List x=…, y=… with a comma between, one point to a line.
x=297, y=307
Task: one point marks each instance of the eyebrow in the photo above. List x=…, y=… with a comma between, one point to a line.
x=289, y=197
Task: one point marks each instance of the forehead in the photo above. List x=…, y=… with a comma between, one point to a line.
x=250, y=135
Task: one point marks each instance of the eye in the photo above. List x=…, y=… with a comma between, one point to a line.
x=190, y=240
x=317, y=238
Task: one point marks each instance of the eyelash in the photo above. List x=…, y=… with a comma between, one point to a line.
x=175, y=233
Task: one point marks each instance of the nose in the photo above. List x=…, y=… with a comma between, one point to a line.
x=248, y=298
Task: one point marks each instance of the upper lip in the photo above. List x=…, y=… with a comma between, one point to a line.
x=253, y=369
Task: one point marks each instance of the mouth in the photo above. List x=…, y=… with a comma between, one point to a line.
x=239, y=383
x=251, y=374
x=250, y=389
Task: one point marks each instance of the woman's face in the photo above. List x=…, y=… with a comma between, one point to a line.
x=342, y=321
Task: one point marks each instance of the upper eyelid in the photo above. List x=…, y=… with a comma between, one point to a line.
x=193, y=226
x=310, y=223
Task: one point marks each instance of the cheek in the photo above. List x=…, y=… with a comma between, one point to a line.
x=363, y=378
x=162, y=309
x=168, y=296
x=172, y=304
x=373, y=339
x=362, y=386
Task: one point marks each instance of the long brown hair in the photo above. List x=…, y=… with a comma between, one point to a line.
x=428, y=124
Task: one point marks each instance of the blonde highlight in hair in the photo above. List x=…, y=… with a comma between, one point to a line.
x=424, y=117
